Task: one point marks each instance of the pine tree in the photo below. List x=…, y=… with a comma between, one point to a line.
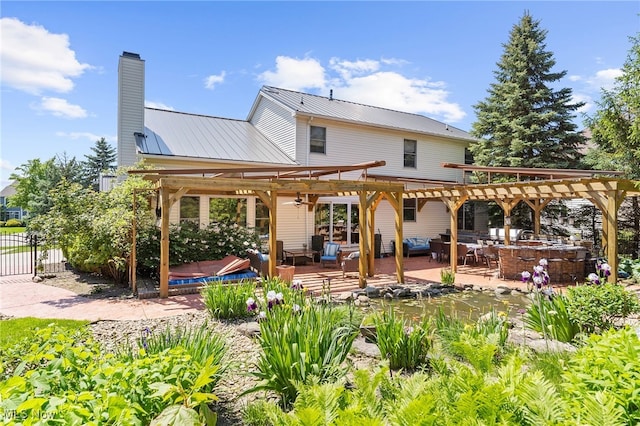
x=102, y=161
x=524, y=122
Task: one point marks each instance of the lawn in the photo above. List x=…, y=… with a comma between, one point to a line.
x=12, y=229
x=14, y=330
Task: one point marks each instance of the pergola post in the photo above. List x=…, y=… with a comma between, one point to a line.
x=454, y=204
x=371, y=254
x=537, y=205
x=273, y=238
x=164, y=242
x=364, y=241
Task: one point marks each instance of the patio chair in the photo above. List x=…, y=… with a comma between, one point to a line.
x=331, y=254
x=351, y=263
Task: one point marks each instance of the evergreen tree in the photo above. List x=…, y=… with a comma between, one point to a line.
x=615, y=130
x=103, y=161
x=615, y=127
x=524, y=122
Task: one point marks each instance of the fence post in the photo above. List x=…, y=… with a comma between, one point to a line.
x=34, y=254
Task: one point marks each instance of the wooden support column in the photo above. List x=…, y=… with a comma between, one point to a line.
x=537, y=205
x=507, y=205
x=612, y=236
x=364, y=242
x=454, y=203
x=609, y=203
x=164, y=242
x=396, y=201
x=371, y=254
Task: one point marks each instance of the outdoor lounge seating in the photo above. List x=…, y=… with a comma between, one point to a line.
x=414, y=246
x=331, y=254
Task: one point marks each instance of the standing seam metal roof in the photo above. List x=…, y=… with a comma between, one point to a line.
x=320, y=106
x=195, y=136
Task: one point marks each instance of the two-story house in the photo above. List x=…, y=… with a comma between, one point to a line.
x=286, y=127
x=7, y=212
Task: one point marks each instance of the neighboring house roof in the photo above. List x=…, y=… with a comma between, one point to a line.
x=8, y=190
x=320, y=106
x=195, y=136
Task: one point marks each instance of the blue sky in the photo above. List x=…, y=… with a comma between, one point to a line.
x=59, y=60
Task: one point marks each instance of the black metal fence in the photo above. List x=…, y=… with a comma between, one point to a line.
x=22, y=253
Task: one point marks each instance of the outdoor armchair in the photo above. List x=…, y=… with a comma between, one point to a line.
x=331, y=254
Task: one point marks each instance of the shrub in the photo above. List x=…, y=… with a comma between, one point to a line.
x=596, y=308
x=404, y=344
x=300, y=344
x=2, y=223
x=13, y=223
x=550, y=317
x=228, y=301
x=190, y=243
x=69, y=380
x=447, y=277
x=606, y=368
x=199, y=342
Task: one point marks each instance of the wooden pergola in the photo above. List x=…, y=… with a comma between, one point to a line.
x=269, y=183
x=606, y=193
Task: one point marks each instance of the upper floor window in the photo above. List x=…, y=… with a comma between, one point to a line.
x=318, y=139
x=410, y=151
x=409, y=209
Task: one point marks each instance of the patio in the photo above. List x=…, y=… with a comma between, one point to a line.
x=417, y=270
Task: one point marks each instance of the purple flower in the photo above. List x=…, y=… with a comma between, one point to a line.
x=251, y=305
x=543, y=262
x=526, y=276
x=593, y=278
x=296, y=308
x=605, y=268
x=297, y=285
x=274, y=299
x=262, y=316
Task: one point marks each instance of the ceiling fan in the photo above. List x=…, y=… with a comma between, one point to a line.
x=298, y=201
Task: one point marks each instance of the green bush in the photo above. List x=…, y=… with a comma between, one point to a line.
x=403, y=343
x=550, y=317
x=229, y=301
x=2, y=223
x=13, y=223
x=607, y=368
x=67, y=379
x=199, y=342
x=190, y=243
x=447, y=277
x=596, y=308
x=300, y=344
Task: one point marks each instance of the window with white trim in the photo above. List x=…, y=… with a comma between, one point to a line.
x=410, y=153
x=409, y=210
x=318, y=140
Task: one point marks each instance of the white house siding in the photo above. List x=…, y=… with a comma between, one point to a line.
x=277, y=124
x=430, y=222
x=130, y=107
x=351, y=144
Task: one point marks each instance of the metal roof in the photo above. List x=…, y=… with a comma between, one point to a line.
x=320, y=106
x=195, y=136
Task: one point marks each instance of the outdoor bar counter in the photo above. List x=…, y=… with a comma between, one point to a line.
x=566, y=263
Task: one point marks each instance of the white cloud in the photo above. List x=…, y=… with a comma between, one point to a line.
x=6, y=166
x=604, y=79
x=575, y=78
x=368, y=82
x=33, y=59
x=158, y=105
x=211, y=81
x=92, y=137
x=589, y=104
x=295, y=74
x=347, y=69
x=61, y=108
